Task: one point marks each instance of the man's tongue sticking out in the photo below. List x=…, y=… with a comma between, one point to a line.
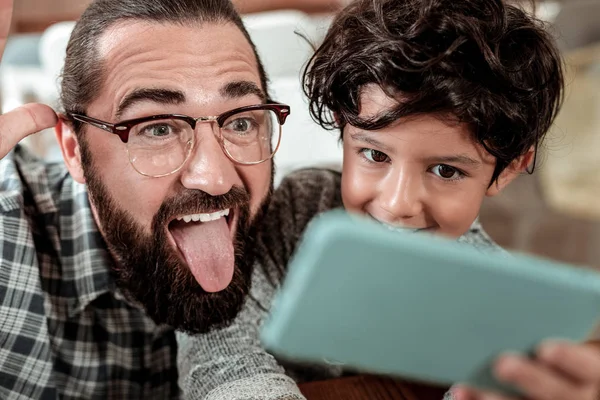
x=208, y=250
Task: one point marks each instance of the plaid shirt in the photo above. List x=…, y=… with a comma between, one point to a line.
x=65, y=330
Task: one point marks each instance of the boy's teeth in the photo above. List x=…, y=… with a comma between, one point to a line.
x=400, y=228
x=204, y=217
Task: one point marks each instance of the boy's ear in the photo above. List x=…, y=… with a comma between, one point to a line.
x=511, y=172
x=336, y=118
x=69, y=146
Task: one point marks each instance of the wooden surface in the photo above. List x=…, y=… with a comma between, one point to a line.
x=370, y=387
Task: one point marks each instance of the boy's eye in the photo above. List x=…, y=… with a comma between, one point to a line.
x=446, y=172
x=374, y=155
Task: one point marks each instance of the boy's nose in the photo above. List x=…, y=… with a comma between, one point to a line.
x=400, y=196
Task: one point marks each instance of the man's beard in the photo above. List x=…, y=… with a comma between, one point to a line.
x=153, y=273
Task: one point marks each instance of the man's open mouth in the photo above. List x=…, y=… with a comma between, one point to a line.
x=205, y=242
x=204, y=217
x=229, y=214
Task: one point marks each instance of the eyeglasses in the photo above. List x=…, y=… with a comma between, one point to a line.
x=160, y=145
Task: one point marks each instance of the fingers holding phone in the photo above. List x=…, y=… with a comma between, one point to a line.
x=560, y=371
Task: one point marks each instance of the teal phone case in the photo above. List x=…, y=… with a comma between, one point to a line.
x=419, y=306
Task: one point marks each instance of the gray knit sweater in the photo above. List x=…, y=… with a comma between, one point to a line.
x=230, y=363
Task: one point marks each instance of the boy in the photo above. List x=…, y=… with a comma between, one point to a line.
x=439, y=104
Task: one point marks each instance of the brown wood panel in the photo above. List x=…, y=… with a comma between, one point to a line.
x=372, y=388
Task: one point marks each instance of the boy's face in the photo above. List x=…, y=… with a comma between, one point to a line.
x=420, y=173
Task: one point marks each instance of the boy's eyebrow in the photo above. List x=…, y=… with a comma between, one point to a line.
x=455, y=159
x=368, y=139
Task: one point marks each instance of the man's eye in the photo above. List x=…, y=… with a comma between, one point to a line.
x=446, y=172
x=241, y=125
x=158, y=130
x=374, y=156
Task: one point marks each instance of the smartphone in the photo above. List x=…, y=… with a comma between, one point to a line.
x=419, y=306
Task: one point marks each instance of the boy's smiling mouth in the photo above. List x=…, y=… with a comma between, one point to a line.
x=400, y=228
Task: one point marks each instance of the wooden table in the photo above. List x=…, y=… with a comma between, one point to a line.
x=368, y=387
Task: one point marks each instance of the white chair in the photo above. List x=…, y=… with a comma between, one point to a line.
x=276, y=36
x=52, y=52
x=303, y=142
x=284, y=53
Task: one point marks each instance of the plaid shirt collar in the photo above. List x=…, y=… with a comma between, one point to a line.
x=85, y=260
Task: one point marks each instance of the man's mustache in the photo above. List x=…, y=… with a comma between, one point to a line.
x=199, y=202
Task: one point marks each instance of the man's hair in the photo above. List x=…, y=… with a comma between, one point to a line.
x=485, y=63
x=83, y=72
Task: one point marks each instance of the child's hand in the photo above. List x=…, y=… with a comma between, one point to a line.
x=561, y=371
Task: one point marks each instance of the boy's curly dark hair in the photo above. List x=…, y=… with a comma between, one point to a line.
x=482, y=62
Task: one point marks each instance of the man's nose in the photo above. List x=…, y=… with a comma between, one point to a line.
x=208, y=168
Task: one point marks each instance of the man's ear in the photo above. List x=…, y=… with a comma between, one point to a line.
x=511, y=172
x=69, y=146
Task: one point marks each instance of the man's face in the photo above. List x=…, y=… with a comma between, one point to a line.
x=191, y=275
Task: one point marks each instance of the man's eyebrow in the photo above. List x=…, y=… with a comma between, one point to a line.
x=368, y=139
x=455, y=159
x=159, y=96
x=237, y=89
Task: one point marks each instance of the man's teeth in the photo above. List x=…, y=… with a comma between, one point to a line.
x=204, y=217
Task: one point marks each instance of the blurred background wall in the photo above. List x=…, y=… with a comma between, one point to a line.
x=554, y=213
